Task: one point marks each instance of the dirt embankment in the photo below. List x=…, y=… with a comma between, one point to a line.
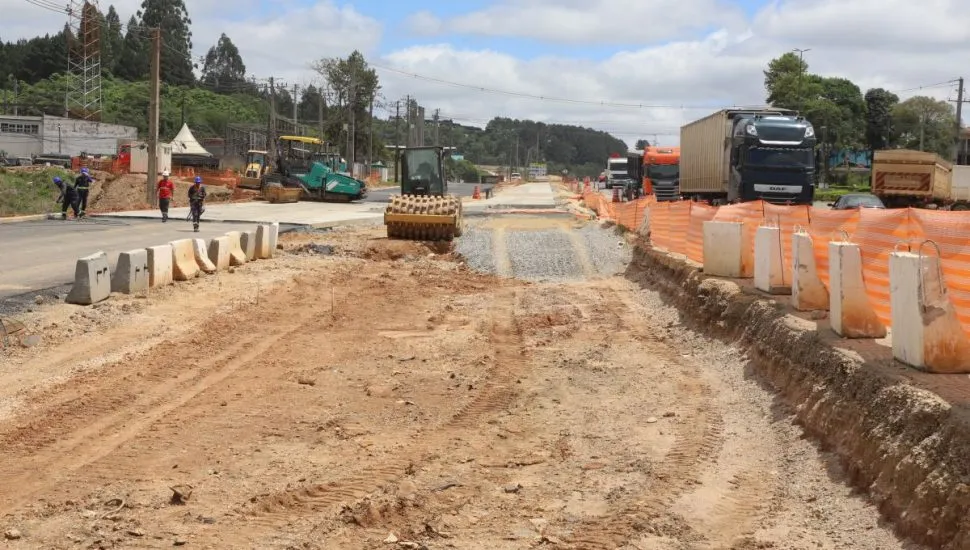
x=903, y=436
x=112, y=193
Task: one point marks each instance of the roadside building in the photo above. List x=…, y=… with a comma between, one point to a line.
x=26, y=136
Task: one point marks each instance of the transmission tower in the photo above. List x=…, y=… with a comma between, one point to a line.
x=84, y=61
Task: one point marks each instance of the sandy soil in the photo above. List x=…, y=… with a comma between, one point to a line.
x=127, y=192
x=386, y=396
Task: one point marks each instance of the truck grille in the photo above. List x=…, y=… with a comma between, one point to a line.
x=666, y=192
x=778, y=198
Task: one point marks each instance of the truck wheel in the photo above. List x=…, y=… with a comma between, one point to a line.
x=961, y=206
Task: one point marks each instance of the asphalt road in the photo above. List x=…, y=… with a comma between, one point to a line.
x=384, y=195
x=42, y=254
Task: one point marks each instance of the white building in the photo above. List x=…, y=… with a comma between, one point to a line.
x=24, y=136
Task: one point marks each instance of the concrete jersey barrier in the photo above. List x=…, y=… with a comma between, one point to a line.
x=202, y=256
x=131, y=274
x=237, y=256
x=219, y=252
x=92, y=280
x=248, y=242
x=184, y=266
x=263, y=251
x=159, y=265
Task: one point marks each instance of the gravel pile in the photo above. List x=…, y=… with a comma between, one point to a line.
x=608, y=252
x=548, y=254
x=542, y=255
x=475, y=245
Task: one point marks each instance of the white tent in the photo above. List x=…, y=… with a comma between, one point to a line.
x=186, y=144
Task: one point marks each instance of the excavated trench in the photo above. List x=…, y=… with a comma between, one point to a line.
x=902, y=436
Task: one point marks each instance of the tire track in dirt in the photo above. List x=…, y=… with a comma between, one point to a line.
x=275, y=511
x=112, y=413
x=738, y=511
x=699, y=438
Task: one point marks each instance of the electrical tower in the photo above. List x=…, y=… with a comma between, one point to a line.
x=83, y=99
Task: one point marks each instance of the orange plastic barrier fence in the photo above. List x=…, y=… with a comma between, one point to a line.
x=877, y=234
x=660, y=225
x=679, y=226
x=824, y=227
x=630, y=214
x=951, y=233
x=786, y=219
x=699, y=213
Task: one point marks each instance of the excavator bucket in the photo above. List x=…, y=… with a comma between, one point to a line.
x=424, y=211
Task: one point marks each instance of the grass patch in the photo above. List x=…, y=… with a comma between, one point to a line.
x=28, y=191
x=832, y=194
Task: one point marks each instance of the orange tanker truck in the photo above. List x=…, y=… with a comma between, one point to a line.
x=661, y=172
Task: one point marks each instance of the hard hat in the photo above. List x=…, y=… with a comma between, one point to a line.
x=84, y=170
x=165, y=173
x=57, y=180
x=198, y=179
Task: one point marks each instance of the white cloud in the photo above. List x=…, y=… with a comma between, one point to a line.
x=590, y=21
x=894, y=44
x=423, y=23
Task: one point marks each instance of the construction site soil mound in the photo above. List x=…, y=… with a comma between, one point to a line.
x=903, y=436
x=112, y=193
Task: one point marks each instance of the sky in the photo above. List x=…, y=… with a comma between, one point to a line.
x=634, y=68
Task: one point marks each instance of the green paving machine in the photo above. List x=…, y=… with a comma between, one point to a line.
x=424, y=211
x=303, y=164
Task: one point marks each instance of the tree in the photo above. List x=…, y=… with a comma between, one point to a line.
x=133, y=59
x=223, y=69
x=785, y=81
x=925, y=124
x=354, y=85
x=641, y=144
x=112, y=40
x=173, y=18
x=879, y=118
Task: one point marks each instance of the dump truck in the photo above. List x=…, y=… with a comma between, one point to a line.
x=424, y=210
x=661, y=172
x=904, y=178
x=739, y=155
x=303, y=164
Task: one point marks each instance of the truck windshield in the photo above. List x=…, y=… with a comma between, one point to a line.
x=663, y=171
x=795, y=158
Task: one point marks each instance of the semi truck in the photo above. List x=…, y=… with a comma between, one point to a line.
x=661, y=172
x=616, y=171
x=739, y=155
x=904, y=178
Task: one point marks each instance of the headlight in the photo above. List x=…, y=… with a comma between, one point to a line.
x=809, y=132
x=751, y=130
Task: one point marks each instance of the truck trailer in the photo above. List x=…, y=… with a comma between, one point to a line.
x=904, y=178
x=740, y=155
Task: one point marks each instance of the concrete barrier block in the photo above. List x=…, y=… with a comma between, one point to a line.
x=219, y=253
x=160, y=265
x=274, y=236
x=769, y=262
x=202, y=256
x=722, y=249
x=852, y=315
x=236, y=254
x=131, y=273
x=926, y=333
x=262, y=242
x=808, y=293
x=184, y=266
x=92, y=280
x=248, y=242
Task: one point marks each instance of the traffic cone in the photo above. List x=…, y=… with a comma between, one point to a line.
x=616, y=195
x=477, y=194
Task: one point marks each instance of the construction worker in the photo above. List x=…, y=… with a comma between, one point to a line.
x=83, y=186
x=196, y=202
x=67, y=197
x=165, y=191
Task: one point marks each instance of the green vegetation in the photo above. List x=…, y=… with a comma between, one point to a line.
x=28, y=191
x=845, y=118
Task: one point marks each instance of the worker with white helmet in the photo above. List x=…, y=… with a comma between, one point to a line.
x=165, y=191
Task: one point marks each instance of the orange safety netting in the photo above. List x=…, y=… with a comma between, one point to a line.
x=630, y=214
x=679, y=226
x=786, y=219
x=826, y=226
x=660, y=225
x=699, y=213
x=751, y=214
x=877, y=234
x=951, y=233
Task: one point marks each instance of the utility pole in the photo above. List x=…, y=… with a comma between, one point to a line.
x=320, y=114
x=407, y=114
x=352, y=134
x=801, y=74
x=956, y=146
x=370, y=139
x=397, y=135
x=437, y=126
x=271, y=130
x=155, y=84
x=296, y=104
x=16, y=100
x=183, y=108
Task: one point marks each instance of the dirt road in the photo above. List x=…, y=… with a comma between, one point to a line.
x=386, y=395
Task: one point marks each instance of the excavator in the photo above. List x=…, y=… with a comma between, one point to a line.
x=424, y=211
x=303, y=164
